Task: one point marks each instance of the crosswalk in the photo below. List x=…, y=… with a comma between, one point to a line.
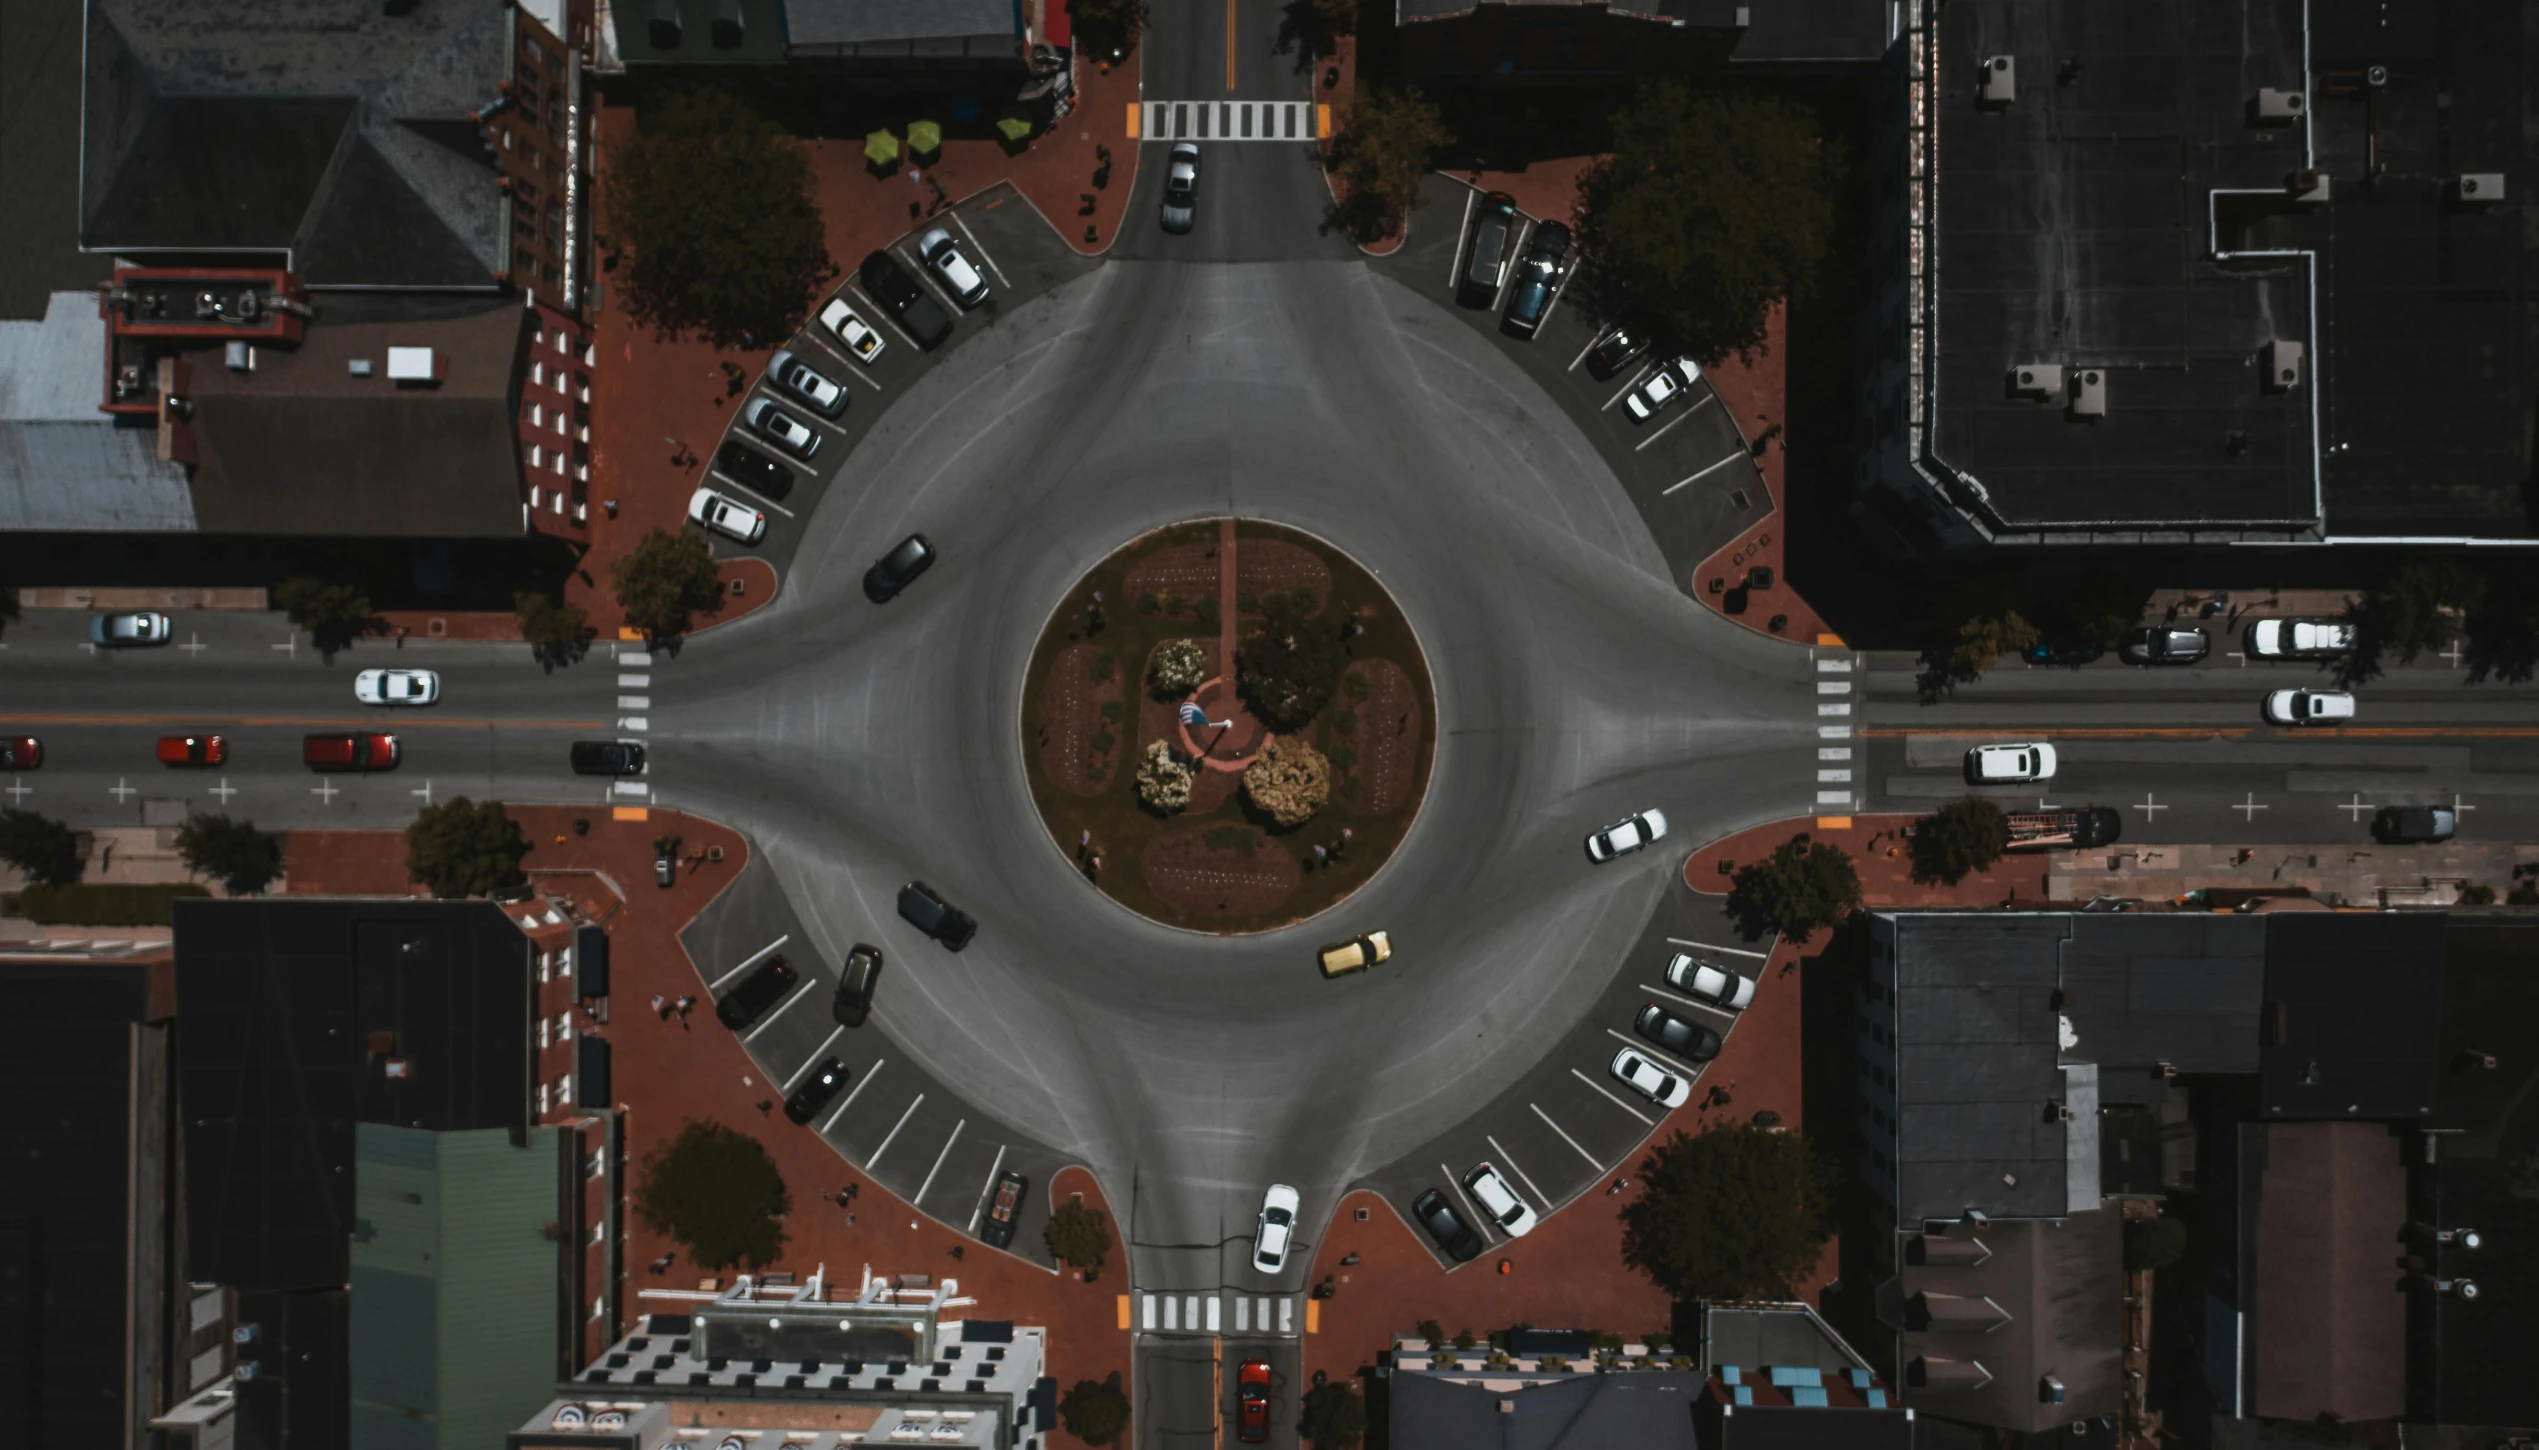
x=1228, y=120
x=1837, y=730
x=1218, y=1313
x=634, y=684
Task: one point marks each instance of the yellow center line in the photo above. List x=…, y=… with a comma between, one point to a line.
x=358, y=722
x=1229, y=44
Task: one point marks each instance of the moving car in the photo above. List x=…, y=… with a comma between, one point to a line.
x=1357, y=954
x=816, y=1090
x=1276, y=1228
x=781, y=428
x=1716, y=985
x=1620, y=348
x=754, y=469
x=763, y=988
x=824, y=394
x=1251, y=1401
x=125, y=630
x=21, y=752
x=1538, y=275
x=2010, y=764
x=397, y=687
x=349, y=752
x=2400, y=825
x=1181, y=188
x=1661, y=387
x=856, y=980
x=853, y=333
x=1501, y=1202
x=2045, y=652
x=1690, y=1041
x=720, y=513
x=1493, y=222
x=2299, y=639
x=2165, y=645
x=895, y=570
x=1452, y=1234
x=194, y=750
x=608, y=757
x=2310, y=707
x=1626, y=835
x=958, y=274
x=889, y=284
x=1649, y=1080
x=935, y=916
x=996, y=1226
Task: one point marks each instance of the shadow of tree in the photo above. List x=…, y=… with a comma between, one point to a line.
x=553, y=657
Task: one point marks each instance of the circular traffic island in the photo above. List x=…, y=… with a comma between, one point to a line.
x=1229, y=726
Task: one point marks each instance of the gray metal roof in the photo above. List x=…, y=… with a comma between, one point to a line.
x=2184, y=989
x=64, y=466
x=2056, y=1307
x=1646, y=1410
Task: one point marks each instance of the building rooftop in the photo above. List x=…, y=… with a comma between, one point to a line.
x=903, y=26
x=2017, y=1324
x=1444, y=1410
x=2329, y=1332
x=64, y=466
x=2184, y=988
x=2354, y=1011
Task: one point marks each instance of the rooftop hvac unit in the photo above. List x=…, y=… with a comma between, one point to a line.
x=2282, y=362
x=2089, y=393
x=2037, y=380
x=2308, y=186
x=2480, y=188
x=2278, y=108
x=240, y=355
x=415, y=365
x=2001, y=80
x=665, y=24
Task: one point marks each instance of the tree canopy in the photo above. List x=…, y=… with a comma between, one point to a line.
x=1079, y=1234
x=334, y=614
x=462, y=848
x=1959, y=839
x=1799, y=888
x=557, y=633
x=43, y=849
x=1095, y=1411
x=716, y=1192
x=1332, y=1416
x=1105, y=28
x=1289, y=780
x=1984, y=639
x=243, y=859
x=1289, y=665
x=1388, y=140
x=665, y=582
x=1740, y=1212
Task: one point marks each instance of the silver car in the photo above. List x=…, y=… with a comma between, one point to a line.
x=780, y=428
x=723, y=514
x=1181, y=188
x=134, y=627
x=958, y=274
x=807, y=383
x=1718, y=986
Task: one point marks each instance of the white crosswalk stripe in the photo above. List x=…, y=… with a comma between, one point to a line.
x=1835, y=674
x=1229, y=121
x=1210, y=1313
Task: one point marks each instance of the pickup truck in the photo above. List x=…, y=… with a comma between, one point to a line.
x=2084, y=828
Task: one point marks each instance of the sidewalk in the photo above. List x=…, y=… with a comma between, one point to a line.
x=1877, y=848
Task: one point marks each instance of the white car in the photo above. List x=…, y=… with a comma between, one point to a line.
x=397, y=687
x=1626, y=835
x=944, y=255
x=139, y=627
x=1716, y=985
x=2299, y=639
x=2009, y=764
x=1181, y=188
x=1662, y=387
x=862, y=342
x=814, y=387
x=2309, y=707
x=1277, y=1229
x=780, y=428
x=1502, y=1203
x=723, y=514
x=1650, y=1080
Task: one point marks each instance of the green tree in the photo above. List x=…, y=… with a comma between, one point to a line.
x=1796, y=890
x=2153, y=1243
x=717, y=1193
x=243, y=859
x=709, y=221
x=1106, y=28
x=1288, y=667
x=1984, y=639
x=1958, y=839
x=1333, y=19
x=334, y=614
x=557, y=632
x=43, y=849
x=1332, y=1416
x=2503, y=630
x=1712, y=207
x=1178, y=667
x=461, y=848
x=1740, y=1212
x=1388, y=140
x=1079, y=1234
x=665, y=582
x=1289, y=781
x=2103, y=605
x=2415, y=609
x=1095, y=1411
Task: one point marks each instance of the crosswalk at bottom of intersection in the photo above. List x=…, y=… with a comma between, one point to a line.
x=1835, y=732
x=1217, y=1313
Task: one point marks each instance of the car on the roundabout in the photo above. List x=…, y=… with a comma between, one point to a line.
x=1626, y=835
x=928, y=912
x=856, y=980
x=898, y=569
x=1357, y=954
x=1276, y=1228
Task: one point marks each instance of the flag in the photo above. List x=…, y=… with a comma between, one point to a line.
x=1193, y=716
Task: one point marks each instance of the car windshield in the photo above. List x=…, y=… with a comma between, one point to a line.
x=1278, y=1217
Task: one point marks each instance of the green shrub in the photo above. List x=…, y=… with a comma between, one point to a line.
x=1114, y=710
x=1344, y=756
x=73, y=905
x=1430, y=1330
x=1349, y=787
x=1078, y=1234
x=1345, y=720
x=1105, y=665
x=1354, y=685
x=1102, y=742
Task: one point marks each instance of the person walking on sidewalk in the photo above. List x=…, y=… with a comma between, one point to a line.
x=657, y=1000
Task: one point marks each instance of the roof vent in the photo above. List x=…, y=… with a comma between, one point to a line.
x=665, y=24
x=2276, y=108
x=416, y=365
x=2282, y=362
x=241, y=356
x=2001, y=80
x=2089, y=393
x=2049, y=1391
x=2480, y=188
x=359, y=367
x=2308, y=186
x=1507, y=1407
x=2037, y=380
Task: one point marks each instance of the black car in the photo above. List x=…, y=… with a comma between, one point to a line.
x=607, y=757
x=2399, y=825
x=1688, y=1040
x=935, y=916
x=919, y=315
x=2165, y=646
x=816, y=1090
x=1493, y=222
x=1538, y=275
x=1619, y=349
x=996, y=1228
x=1452, y=1234
x=893, y=571
x=2052, y=652
x=855, y=985
x=763, y=475
x=757, y=992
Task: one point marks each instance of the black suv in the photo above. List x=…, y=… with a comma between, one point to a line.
x=607, y=757
x=997, y=1231
x=757, y=992
x=2164, y=646
x=893, y=571
x=764, y=475
x=890, y=285
x=935, y=916
x=1538, y=275
x=814, y=1094
x=1620, y=347
x=1688, y=1040
x=854, y=999
x=1452, y=1234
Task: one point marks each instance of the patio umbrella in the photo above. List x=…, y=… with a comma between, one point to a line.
x=881, y=148
x=924, y=137
x=1013, y=128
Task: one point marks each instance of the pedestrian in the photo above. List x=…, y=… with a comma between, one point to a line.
x=850, y=1218
x=766, y=1106
x=958, y=1251
x=657, y=1000
x=685, y=1003
x=611, y=506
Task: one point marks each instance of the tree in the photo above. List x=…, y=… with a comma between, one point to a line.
x=1106, y=27
x=1984, y=639
x=1289, y=780
x=1740, y=1212
x=461, y=848
x=1078, y=1234
x=244, y=859
x=1958, y=839
x=2153, y=1243
x=334, y=614
x=1163, y=782
x=716, y=1192
x=557, y=632
x=43, y=849
x=1178, y=667
x=1289, y=666
x=2503, y=631
x=1797, y=889
x=1332, y=1416
x=1713, y=207
x=2102, y=606
x=1095, y=1411
x=665, y=582
x=1387, y=141
x=709, y=220
x=1332, y=20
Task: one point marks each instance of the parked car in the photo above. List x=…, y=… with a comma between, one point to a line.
x=754, y=470
x=2010, y=764
x=996, y=1226
x=1626, y=835
x=1689, y=1041
x=823, y=394
x=720, y=513
x=1275, y=1229
x=1538, y=274
x=1357, y=954
x=397, y=687
x=764, y=987
x=2310, y=707
x=608, y=757
x=196, y=750
x=2065, y=653
x=935, y=916
x=2402, y=825
x=2165, y=645
x=1181, y=188
x=857, y=336
x=895, y=570
x=1721, y=988
x=1493, y=223
x=350, y=752
x=1663, y=386
x=128, y=629
x=959, y=275
x=1444, y=1225
x=1619, y=349
x=856, y=980
x=918, y=314
x=1501, y=1202
x=781, y=428
x=1634, y=1070
x=1252, y=1402
x=2299, y=639
x=21, y=752
x=816, y=1090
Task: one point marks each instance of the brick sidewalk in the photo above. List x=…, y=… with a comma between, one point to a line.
x=1877, y=847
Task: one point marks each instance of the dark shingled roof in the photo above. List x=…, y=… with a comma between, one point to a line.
x=2354, y=1002
x=2330, y=1333
x=2183, y=989
x=1643, y=1410
x=2056, y=1306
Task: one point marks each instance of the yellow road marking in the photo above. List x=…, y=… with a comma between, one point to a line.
x=1136, y=117
x=1229, y=44
x=630, y=813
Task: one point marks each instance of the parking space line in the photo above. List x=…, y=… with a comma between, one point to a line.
x=1644, y=1049
x=955, y=217
x=1507, y=273
x=1637, y=378
x=1681, y=414
x=1609, y=1097
x=1564, y=1133
x=1732, y=951
x=1705, y=473
x=884, y=314
x=1518, y=1169
x=1592, y=339
x=1463, y=239
x=894, y=1133
x=950, y=307
x=816, y=1054
x=853, y=1093
x=753, y=960
x=1713, y=1010
x=754, y=493
x=861, y=372
x=938, y=1161
x=1462, y=1193
x=781, y=1008
x=987, y=1188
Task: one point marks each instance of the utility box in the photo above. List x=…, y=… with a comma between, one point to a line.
x=2479, y=188
x=2001, y=80
x=416, y=365
x=2089, y=393
x=2037, y=380
x=2282, y=362
x=2278, y=108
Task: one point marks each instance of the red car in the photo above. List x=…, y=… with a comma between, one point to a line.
x=21, y=752
x=1251, y=1393
x=192, y=750
x=349, y=752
